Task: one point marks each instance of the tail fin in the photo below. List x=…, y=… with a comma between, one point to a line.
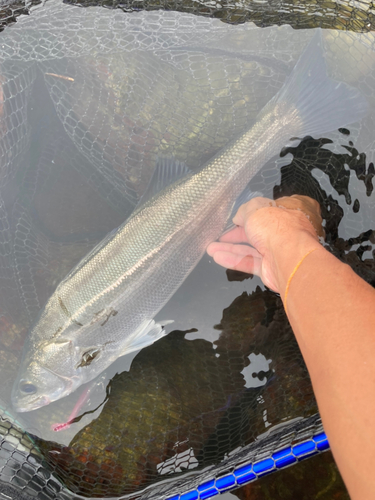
x=323, y=104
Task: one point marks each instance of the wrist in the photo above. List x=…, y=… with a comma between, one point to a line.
x=289, y=252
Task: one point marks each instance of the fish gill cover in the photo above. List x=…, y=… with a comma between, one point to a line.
x=91, y=100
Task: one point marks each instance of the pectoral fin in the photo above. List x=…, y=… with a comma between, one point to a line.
x=146, y=334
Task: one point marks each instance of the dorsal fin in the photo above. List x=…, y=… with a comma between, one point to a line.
x=167, y=171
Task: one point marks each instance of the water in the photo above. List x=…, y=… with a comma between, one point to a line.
x=89, y=104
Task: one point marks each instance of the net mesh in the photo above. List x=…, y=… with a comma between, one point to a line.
x=344, y=15
x=90, y=98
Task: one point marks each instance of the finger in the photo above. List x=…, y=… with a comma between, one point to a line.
x=299, y=202
x=314, y=206
x=247, y=209
x=235, y=235
x=247, y=264
x=240, y=250
x=308, y=206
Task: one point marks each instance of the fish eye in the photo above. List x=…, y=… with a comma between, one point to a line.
x=27, y=387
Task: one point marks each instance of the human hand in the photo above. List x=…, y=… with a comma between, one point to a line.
x=286, y=228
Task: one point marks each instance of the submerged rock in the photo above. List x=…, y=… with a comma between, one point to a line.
x=167, y=404
x=187, y=403
x=317, y=478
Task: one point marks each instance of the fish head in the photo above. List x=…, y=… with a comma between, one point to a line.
x=47, y=374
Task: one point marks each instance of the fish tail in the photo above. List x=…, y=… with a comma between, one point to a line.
x=323, y=104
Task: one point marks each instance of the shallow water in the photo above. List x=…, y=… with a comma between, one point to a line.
x=89, y=106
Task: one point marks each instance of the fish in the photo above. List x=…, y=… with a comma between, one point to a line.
x=105, y=307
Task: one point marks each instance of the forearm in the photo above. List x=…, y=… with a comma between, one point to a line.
x=332, y=313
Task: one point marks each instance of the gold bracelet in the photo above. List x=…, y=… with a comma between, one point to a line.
x=292, y=275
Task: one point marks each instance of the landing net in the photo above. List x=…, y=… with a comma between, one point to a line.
x=90, y=99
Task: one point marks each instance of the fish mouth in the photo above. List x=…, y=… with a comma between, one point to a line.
x=38, y=402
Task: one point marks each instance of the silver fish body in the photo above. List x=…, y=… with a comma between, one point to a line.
x=105, y=307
